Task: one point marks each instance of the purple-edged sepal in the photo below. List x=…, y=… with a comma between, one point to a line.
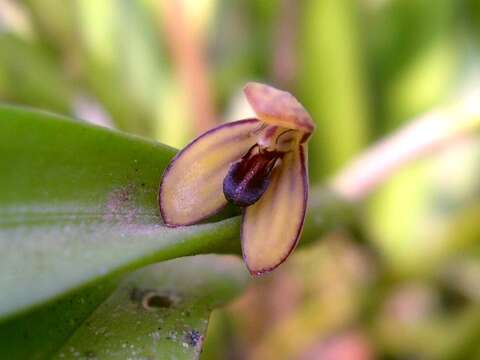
x=272, y=226
x=191, y=187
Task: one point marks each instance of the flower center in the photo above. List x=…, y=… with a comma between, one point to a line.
x=248, y=178
x=278, y=139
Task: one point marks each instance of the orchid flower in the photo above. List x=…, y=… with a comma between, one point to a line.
x=259, y=164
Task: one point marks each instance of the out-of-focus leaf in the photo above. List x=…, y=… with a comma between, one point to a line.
x=435, y=223
x=141, y=63
x=123, y=63
x=414, y=53
x=414, y=64
x=332, y=83
x=242, y=51
x=462, y=233
x=160, y=312
x=472, y=9
x=407, y=193
x=54, y=24
x=28, y=75
x=436, y=335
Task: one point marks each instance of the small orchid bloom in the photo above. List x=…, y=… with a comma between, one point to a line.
x=258, y=164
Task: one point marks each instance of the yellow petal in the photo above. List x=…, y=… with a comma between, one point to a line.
x=191, y=188
x=272, y=226
x=277, y=107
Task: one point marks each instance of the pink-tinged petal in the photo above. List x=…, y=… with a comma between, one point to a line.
x=279, y=108
x=191, y=187
x=272, y=226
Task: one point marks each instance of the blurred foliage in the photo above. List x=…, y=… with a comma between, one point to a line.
x=407, y=285
x=333, y=83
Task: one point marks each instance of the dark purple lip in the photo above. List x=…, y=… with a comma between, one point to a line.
x=248, y=178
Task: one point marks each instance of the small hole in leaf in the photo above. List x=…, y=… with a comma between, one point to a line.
x=153, y=300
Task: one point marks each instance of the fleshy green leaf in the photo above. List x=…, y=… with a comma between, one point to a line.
x=160, y=312
x=40, y=333
x=79, y=204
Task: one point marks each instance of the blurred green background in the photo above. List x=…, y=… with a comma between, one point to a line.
x=409, y=287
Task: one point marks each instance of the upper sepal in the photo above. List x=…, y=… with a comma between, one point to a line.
x=277, y=107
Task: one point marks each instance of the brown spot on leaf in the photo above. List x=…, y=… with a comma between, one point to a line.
x=120, y=205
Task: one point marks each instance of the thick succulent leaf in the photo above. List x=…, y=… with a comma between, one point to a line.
x=160, y=312
x=192, y=186
x=271, y=227
x=78, y=204
x=40, y=333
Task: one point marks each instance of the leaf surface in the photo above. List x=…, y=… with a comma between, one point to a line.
x=160, y=312
x=79, y=203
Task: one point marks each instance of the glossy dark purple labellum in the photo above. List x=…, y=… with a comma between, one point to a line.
x=248, y=178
